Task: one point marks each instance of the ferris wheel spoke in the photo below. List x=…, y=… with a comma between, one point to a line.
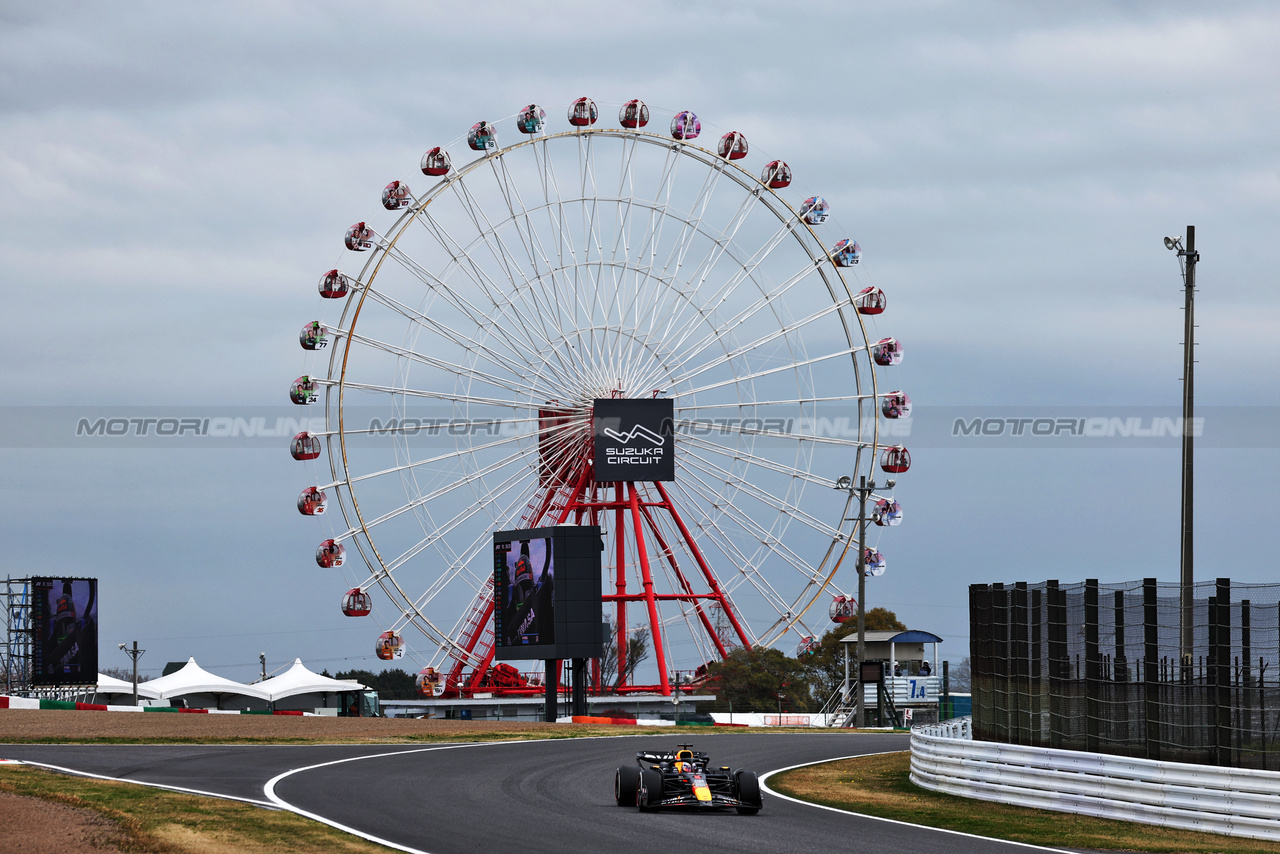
x=448, y=527
x=622, y=241
x=452, y=426
x=453, y=368
x=472, y=312
x=693, y=225
x=774, y=370
x=571, y=294
x=695, y=493
x=556, y=220
x=747, y=570
x=451, y=455
x=784, y=331
x=463, y=558
x=798, y=401
x=431, y=496
x=736, y=453
x=625, y=202
x=463, y=260
x=740, y=483
x=799, y=604
x=537, y=252
x=777, y=434
x=452, y=397
x=590, y=237
x=714, y=256
x=494, y=358
x=748, y=269
x=766, y=298
x=491, y=236
x=768, y=540
x=549, y=306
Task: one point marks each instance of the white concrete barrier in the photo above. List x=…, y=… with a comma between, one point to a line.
x=1232, y=801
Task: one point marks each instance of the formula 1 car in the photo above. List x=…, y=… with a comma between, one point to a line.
x=684, y=779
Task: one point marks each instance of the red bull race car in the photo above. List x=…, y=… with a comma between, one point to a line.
x=685, y=779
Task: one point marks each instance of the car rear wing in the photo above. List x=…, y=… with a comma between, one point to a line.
x=649, y=757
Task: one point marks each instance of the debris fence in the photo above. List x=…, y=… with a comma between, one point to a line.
x=1098, y=667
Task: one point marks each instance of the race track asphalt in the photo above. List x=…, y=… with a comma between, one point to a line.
x=538, y=796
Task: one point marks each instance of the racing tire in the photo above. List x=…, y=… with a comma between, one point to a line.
x=649, y=794
x=748, y=787
x=626, y=783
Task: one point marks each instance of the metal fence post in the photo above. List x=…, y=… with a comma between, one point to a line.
x=1222, y=672
x=1151, y=665
x=1246, y=670
x=1019, y=723
x=1092, y=666
x=980, y=664
x=1000, y=661
x=1037, y=686
x=1059, y=664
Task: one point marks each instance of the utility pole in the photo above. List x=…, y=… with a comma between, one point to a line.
x=1189, y=256
x=135, y=654
x=864, y=491
x=860, y=700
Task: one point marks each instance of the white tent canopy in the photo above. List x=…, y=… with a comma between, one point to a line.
x=194, y=679
x=299, y=680
x=111, y=685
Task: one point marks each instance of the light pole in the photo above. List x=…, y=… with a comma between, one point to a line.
x=133, y=653
x=863, y=491
x=1187, y=261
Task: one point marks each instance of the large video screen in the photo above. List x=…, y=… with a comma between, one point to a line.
x=526, y=571
x=547, y=593
x=65, y=619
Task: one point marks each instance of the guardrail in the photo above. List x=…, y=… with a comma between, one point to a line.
x=1232, y=801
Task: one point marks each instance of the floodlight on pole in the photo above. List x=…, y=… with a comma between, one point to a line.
x=135, y=654
x=1187, y=259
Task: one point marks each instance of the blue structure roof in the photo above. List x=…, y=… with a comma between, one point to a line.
x=909, y=636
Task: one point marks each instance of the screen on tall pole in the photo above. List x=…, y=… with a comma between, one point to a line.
x=64, y=617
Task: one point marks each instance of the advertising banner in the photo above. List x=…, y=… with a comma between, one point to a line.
x=634, y=439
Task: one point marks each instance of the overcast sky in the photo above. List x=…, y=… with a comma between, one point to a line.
x=174, y=176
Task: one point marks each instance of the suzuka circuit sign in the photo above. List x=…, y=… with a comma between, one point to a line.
x=634, y=439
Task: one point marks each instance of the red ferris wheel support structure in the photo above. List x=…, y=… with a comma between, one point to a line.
x=569, y=493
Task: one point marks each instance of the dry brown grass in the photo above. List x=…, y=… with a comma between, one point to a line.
x=28, y=726
x=131, y=818
x=879, y=786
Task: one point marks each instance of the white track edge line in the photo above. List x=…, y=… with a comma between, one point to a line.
x=764, y=785
x=73, y=772
x=270, y=788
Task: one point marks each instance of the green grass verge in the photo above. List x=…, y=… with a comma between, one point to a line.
x=880, y=786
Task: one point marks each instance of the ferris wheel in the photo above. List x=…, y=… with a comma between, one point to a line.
x=486, y=314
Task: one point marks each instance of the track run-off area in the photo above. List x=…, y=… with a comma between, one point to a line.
x=552, y=795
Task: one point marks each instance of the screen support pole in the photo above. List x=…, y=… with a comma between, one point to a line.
x=553, y=690
x=579, y=686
